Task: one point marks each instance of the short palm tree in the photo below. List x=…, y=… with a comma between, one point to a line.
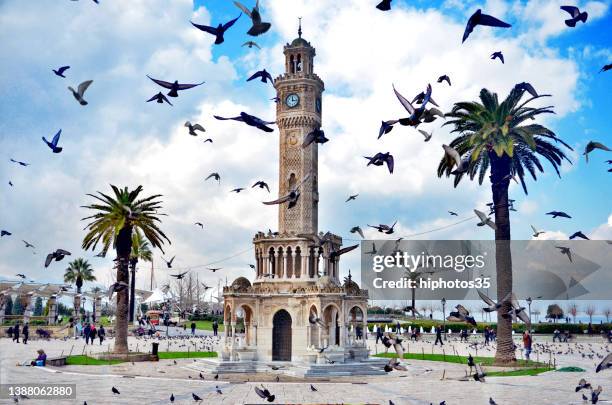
x=112, y=224
x=497, y=137
x=77, y=272
x=140, y=251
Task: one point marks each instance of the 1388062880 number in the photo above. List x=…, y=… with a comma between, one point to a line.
x=40, y=391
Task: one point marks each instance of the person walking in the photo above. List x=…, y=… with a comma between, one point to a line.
x=527, y=344
x=16, y=332
x=379, y=334
x=26, y=333
x=215, y=326
x=438, y=336
x=101, y=334
x=92, y=333
x=9, y=332
x=487, y=336
x=193, y=328
x=87, y=332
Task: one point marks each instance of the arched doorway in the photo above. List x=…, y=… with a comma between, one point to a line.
x=281, y=336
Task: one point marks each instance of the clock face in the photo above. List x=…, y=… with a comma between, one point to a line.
x=292, y=100
x=318, y=104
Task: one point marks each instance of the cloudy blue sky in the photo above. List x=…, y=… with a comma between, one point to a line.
x=119, y=139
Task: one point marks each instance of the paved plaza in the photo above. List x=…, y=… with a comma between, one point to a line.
x=152, y=383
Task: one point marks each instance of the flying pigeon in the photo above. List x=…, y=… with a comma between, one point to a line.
x=382, y=228
x=201, y=225
x=117, y=287
x=591, y=146
x=53, y=144
x=292, y=197
x=58, y=255
x=261, y=184
x=251, y=44
x=169, y=262
x=263, y=75
x=173, y=87
x=352, y=197
x=453, y=157
x=499, y=55
x=384, y=5
x=606, y=68
x=24, y=164
x=524, y=86
x=536, y=233
x=237, y=190
x=358, y=230
x=381, y=158
x=193, y=128
x=80, y=92
x=264, y=393
x=565, y=251
x=444, y=78
x=160, y=98
x=576, y=15
x=60, y=71
x=556, y=214
x=250, y=120
x=427, y=135
x=482, y=19
x=485, y=220
x=579, y=234
x=605, y=364
x=215, y=176
x=492, y=305
x=316, y=136
x=386, y=127
x=218, y=31
x=28, y=245
x=180, y=275
x=20, y=275
x=258, y=27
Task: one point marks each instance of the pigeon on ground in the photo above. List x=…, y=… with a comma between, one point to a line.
x=556, y=214
x=384, y=5
x=193, y=128
x=595, y=394
x=53, y=144
x=583, y=385
x=381, y=158
x=576, y=15
x=58, y=255
x=251, y=44
x=218, y=31
x=264, y=393
x=261, y=184
x=499, y=55
x=591, y=146
x=292, y=197
x=115, y=391
x=258, y=27
x=159, y=98
x=478, y=18
x=60, y=71
x=80, y=92
x=263, y=75
x=444, y=78
x=485, y=220
x=196, y=397
x=250, y=120
x=316, y=136
x=352, y=197
x=174, y=87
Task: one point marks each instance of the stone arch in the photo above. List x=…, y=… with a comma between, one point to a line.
x=248, y=319
x=281, y=336
x=332, y=316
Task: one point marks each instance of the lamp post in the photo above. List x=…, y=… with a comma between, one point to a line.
x=443, y=301
x=529, y=300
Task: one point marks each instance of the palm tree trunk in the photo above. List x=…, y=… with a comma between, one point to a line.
x=500, y=169
x=133, y=263
x=123, y=247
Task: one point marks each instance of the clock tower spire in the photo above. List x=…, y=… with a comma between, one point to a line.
x=298, y=112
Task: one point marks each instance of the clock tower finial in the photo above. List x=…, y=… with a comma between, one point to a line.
x=300, y=27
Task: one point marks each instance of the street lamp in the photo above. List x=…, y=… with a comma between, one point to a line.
x=529, y=300
x=443, y=301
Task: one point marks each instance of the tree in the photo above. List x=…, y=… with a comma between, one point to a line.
x=495, y=137
x=18, y=307
x=38, y=306
x=554, y=312
x=590, y=311
x=573, y=311
x=607, y=312
x=77, y=272
x=112, y=224
x=140, y=251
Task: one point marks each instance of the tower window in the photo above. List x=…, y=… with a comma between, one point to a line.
x=299, y=62
x=291, y=64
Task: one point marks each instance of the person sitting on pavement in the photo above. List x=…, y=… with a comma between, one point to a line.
x=41, y=360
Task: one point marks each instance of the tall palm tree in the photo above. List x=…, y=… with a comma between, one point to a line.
x=112, y=224
x=77, y=272
x=495, y=137
x=140, y=251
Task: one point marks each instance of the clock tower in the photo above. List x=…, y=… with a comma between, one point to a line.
x=298, y=112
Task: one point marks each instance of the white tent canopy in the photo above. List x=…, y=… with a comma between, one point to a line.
x=157, y=296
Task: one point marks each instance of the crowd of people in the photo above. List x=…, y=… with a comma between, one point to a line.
x=14, y=332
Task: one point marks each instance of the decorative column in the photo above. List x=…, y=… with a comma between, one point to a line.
x=52, y=305
x=306, y=264
x=76, y=308
x=265, y=269
x=98, y=304
x=286, y=259
x=289, y=261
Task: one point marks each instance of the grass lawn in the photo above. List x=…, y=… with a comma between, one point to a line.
x=80, y=360
x=450, y=358
x=517, y=373
x=204, y=325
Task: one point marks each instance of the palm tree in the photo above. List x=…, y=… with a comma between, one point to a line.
x=140, y=251
x=77, y=272
x=112, y=224
x=495, y=137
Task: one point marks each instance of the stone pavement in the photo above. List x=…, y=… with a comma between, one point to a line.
x=152, y=383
